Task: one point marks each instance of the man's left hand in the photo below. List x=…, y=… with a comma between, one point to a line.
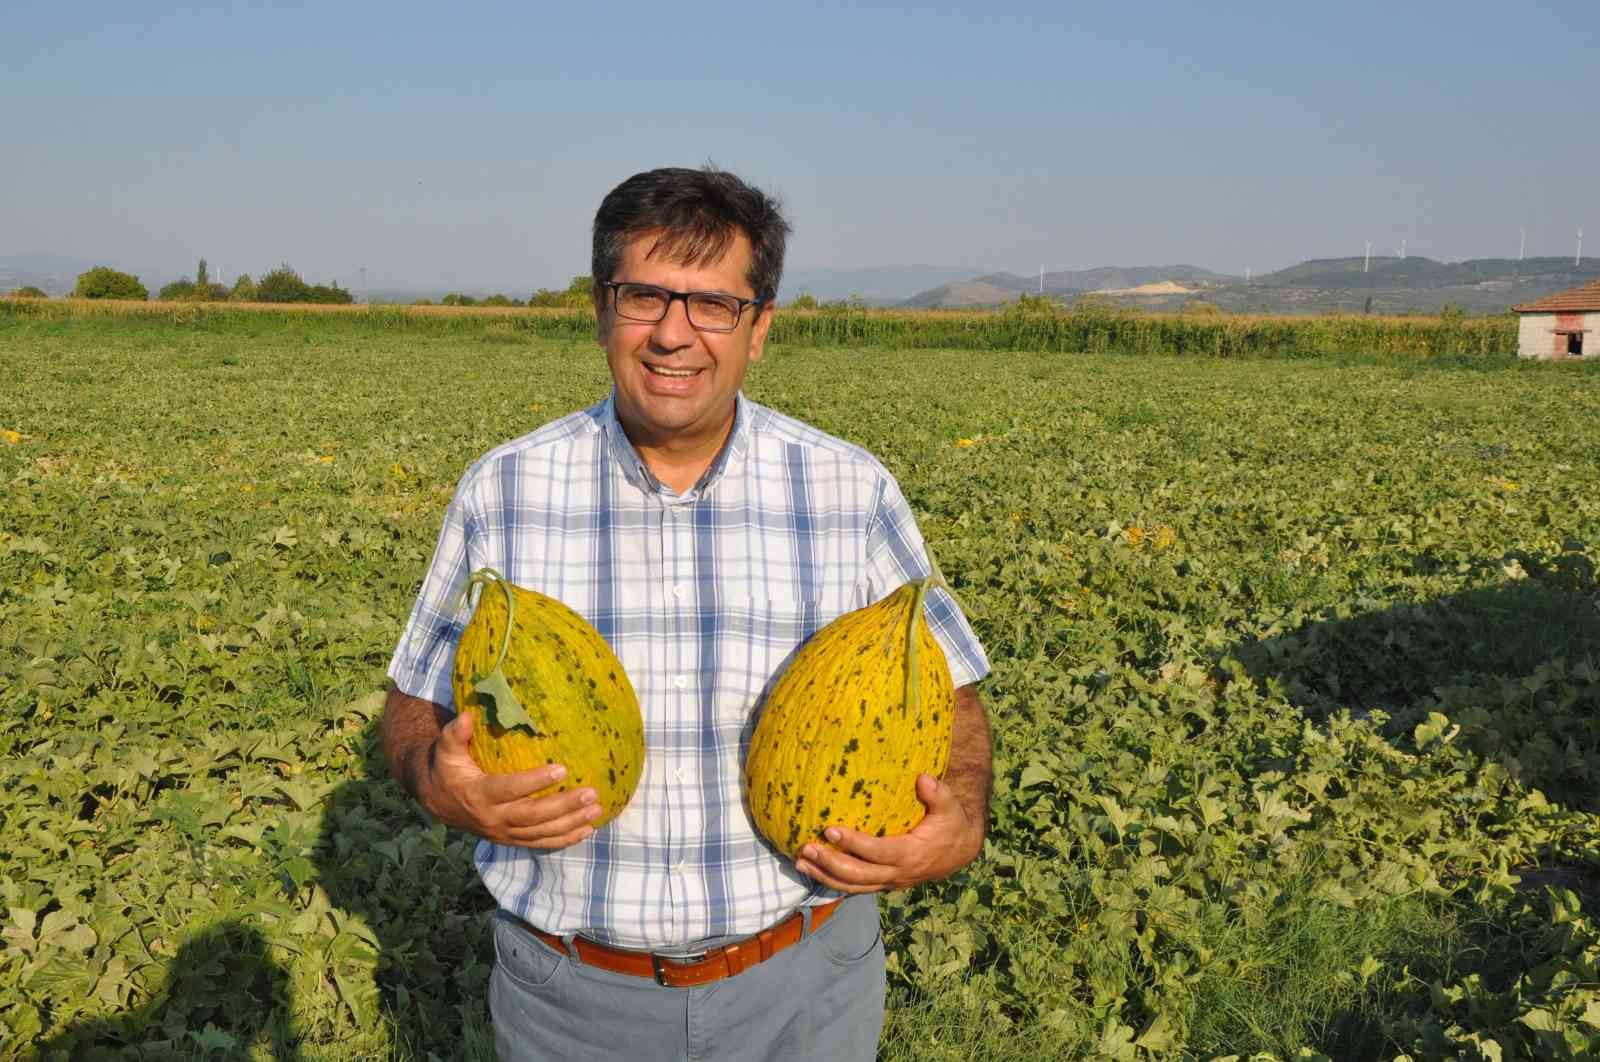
x=947, y=839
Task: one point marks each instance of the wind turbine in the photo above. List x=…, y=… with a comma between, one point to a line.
x=1366, y=261
x=1577, y=259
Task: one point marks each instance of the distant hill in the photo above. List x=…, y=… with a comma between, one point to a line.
x=1323, y=285
x=879, y=285
x=1424, y=273
x=993, y=289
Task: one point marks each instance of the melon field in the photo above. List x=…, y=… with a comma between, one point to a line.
x=1296, y=691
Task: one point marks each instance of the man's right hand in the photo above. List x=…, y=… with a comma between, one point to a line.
x=500, y=807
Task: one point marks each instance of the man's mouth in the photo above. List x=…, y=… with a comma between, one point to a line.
x=673, y=374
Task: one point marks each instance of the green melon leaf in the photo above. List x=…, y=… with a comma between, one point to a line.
x=505, y=710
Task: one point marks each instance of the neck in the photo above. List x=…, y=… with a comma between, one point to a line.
x=679, y=459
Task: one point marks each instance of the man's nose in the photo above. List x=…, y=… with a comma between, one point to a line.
x=674, y=331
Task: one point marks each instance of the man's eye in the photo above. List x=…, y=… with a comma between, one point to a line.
x=643, y=300
x=715, y=309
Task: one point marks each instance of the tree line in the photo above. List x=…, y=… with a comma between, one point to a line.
x=282, y=284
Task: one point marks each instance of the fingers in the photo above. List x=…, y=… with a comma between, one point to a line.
x=555, y=833
x=934, y=794
x=849, y=869
x=535, y=811
x=506, y=788
x=456, y=734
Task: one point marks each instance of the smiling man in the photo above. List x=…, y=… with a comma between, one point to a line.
x=705, y=537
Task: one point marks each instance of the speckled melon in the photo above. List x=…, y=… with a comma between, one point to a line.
x=864, y=707
x=542, y=686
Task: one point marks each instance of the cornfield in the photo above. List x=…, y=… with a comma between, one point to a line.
x=1092, y=330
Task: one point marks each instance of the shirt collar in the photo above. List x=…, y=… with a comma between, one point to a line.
x=637, y=473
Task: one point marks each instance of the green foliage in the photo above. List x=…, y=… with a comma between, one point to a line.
x=1294, y=673
x=285, y=285
x=1028, y=305
x=804, y=301
x=244, y=290
x=186, y=290
x=28, y=291
x=578, y=295
x=103, y=282
x=456, y=299
x=202, y=279
x=499, y=300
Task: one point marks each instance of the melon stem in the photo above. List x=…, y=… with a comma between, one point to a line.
x=912, y=698
x=486, y=577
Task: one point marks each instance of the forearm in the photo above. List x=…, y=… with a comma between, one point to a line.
x=411, y=726
x=970, y=771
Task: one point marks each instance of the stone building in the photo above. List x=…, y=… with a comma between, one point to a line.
x=1563, y=325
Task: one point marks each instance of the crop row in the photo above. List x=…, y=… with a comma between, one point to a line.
x=1095, y=329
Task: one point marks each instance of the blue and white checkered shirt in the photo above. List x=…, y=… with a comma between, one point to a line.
x=703, y=595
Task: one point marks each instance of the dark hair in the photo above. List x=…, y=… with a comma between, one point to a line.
x=697, y=213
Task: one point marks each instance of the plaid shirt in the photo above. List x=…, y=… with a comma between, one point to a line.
x=703, y=595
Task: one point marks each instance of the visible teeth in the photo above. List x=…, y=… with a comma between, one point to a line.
x=660, y=371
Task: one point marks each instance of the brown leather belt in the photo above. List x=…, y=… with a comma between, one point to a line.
x=726, y=961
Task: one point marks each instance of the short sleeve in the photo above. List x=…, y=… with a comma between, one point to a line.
x=421, y=663
x=897, y=554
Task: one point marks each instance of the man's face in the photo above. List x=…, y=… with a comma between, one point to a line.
x=675, y=382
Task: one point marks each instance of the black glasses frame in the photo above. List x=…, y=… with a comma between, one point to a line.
x=616, y=286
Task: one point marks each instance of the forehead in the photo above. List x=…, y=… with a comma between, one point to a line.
x=662, y=257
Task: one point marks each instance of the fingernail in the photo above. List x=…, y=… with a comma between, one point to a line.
x=808, y=852
x=831, y=834
x=587, y=796
x=558, y=772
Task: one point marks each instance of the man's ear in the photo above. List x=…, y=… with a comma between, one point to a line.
x=597, y=296
x=758, y=331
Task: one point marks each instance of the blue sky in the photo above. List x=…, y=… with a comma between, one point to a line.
x=468, y=147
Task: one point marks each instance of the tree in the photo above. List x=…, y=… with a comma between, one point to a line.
x=578, y=294
x=332, y=294
x=103, y=282
x=500, y=300
x=28, y=291
x=244, y=289
x=200, y=278
x=178, y=291
x=804, y=301
x=457, y=299
x=283, y=285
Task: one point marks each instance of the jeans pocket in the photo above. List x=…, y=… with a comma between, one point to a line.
x=853, y=933
x=526, y=959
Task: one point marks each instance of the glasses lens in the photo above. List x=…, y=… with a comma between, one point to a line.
x=641, y=302
x=713, y=311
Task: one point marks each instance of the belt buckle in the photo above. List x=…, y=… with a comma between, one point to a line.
x=658, y=965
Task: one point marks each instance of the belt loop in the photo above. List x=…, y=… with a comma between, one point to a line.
x=571, y=941
x=805, y=921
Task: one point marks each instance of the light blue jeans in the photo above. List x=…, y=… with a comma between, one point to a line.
x=820, y=999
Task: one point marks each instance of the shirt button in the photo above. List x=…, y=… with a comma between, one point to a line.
x=680, y=681
x=680, y=591
x=682, y=774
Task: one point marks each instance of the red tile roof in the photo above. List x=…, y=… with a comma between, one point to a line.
x=1585, y=298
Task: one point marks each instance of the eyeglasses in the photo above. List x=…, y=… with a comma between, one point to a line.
x=709, y=311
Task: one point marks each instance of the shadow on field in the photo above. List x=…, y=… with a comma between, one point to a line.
x=1516, y=666
x=412, y=883
x=226, y=995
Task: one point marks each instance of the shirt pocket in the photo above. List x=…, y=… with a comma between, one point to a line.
x=755, y=641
